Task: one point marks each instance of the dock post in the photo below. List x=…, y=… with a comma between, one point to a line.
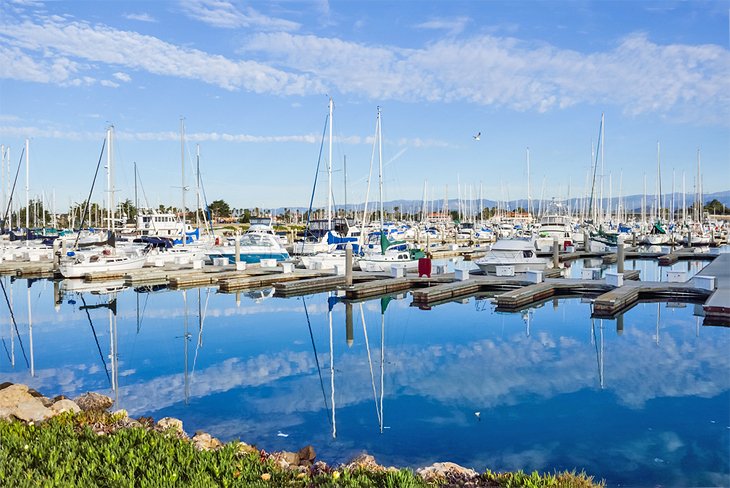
x=348, y=264
x=556, y=253
x=349, y=334
x=56, y=254
x=689, y=239
x=620, y=255
x=633, y=239
x=586, y=241
x=238, y=250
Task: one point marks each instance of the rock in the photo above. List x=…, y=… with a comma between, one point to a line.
x=65, y=405
x=286, y=460
x=5, y=413
x=93, y=401
x=32, y=410
x=206, y=442
x=306, y=453
x=451, y=472
x=171, y=423
x=5, y=385
x=47, y=402
x=363, y=461
x=16, y=400
x=59, y=397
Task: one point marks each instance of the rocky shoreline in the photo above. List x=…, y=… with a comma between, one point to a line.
x=19, y=403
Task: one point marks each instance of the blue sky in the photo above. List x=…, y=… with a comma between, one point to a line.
x=252, y=81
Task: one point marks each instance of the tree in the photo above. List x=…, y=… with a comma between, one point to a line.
x=716, y=207
x=219, y=209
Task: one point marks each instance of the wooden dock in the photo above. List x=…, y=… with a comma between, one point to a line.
x=717, y=306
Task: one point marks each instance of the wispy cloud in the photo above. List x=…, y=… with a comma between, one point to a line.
x=637, y=74
x=224, y=14
x=56, y=45
x=142, y=17
x=122, y=77
x=162, y=136
x=453, y=26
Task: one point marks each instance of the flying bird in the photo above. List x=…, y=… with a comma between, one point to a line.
x=478, y=136
x=478, y=416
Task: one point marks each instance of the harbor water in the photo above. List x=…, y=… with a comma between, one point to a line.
x=642, y=400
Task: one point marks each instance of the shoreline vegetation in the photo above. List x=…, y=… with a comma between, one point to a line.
x=76, y=443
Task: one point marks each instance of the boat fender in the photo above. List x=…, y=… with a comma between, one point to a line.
x=70, y=254
x=217, y=241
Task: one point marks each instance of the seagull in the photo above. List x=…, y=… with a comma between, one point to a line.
x=478, y=416
x=478, y=136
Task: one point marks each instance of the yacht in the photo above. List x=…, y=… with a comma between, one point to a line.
x=518, y=253
x=259, y=242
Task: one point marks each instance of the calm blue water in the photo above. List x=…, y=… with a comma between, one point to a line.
x=642, y=406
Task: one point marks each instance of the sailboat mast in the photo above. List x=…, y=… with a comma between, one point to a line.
x=27, y=189
x=182, y=165
x=380, y=171
x=529, y=196
x=108, y=176
x=329, y=172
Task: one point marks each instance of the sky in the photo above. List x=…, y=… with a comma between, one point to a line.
x=251, y=82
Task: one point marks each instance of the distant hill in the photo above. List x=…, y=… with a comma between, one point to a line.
x=632, y=202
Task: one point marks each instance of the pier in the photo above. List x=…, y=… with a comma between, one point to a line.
x=610, y=296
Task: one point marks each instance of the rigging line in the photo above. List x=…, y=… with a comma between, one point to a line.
x=316, y=359
x=370, y=361
x=6, y=350
x=10, y=201
x=96, y=339
x=88, y=199
x=316, y=174
x=12, y=317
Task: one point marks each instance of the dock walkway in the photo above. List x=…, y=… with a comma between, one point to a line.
x=717, y=307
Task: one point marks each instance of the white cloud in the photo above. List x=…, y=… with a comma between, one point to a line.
x=221, y=13
x=453, y=26
x=109, y=84
x=122, y=77
x=62, y=41
x=55, y=133
x=638, y=75
x=142, y=17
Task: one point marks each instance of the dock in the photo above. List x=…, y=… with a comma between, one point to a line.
x=717, y=306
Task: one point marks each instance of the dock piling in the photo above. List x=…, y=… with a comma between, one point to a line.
x=348, y=264
x=556, y=253
x=237, y=259
x=620, y=253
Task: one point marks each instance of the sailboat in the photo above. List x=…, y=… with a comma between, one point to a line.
x=380, y=258
x=77, y=263
x=323, y=243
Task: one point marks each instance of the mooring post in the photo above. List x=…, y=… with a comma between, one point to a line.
x=348, y=264
x=56, y=253
x=349, y=333
x=238, y=250
x=633, y=239
x=586, y=241
x=620, y=255
x=556, y=252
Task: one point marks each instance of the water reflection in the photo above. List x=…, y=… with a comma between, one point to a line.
x=554, y=388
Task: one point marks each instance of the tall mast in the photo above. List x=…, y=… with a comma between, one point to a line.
x=529, y=196
x=197, y=185
x=344, y=162
x=27, y=189
x=136, y=200
x=108, y=177
x=182, y=165
x=380, y=172
x=329, y=173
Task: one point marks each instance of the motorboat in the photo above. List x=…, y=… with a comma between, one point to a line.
x=518, y=253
